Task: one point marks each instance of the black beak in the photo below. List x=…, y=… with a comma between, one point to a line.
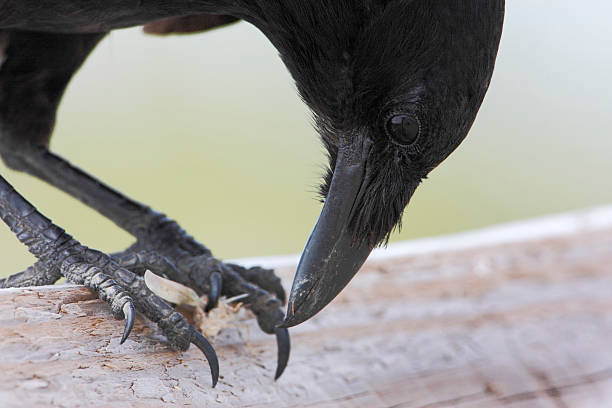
x=330, y=260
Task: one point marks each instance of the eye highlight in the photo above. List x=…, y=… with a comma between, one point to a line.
x=403, y=129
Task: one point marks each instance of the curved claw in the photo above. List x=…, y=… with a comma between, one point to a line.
x=209, y=352
x=128, y=312
x=284, y=347
x=215, y=291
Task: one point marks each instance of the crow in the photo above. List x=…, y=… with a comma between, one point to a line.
x=393, y=85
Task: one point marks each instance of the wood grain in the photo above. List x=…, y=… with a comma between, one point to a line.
x=522, y=323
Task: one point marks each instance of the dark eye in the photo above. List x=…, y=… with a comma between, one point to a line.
x=403, y=129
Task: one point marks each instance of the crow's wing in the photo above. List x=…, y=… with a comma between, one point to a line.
x=189, y=24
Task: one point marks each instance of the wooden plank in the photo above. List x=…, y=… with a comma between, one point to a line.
x=522, y=322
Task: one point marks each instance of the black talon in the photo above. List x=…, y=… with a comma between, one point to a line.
x=284, y=347
x=128, y=312
x=209, y=352
x=215, y=291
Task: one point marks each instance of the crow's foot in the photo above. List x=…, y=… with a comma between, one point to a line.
x=165, y=249
x=116, y=278
x=122, y=289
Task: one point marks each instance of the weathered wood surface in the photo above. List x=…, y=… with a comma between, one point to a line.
x=490, y=319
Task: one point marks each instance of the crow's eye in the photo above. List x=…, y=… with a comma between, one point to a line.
x=403, y=129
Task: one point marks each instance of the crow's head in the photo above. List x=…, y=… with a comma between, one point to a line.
x=394, y=87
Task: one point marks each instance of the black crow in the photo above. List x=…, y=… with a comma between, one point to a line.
x=393, y=85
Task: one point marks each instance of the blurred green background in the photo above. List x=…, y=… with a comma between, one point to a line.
x=208, y=128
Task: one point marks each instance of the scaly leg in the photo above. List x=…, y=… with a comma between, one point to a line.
x=61, y=255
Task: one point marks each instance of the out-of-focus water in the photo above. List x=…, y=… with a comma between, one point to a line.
x=209, y=129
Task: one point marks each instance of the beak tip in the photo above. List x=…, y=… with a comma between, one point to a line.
x=285, y=324
x=290, y=319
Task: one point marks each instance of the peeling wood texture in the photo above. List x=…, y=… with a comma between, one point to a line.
x=517, y=322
